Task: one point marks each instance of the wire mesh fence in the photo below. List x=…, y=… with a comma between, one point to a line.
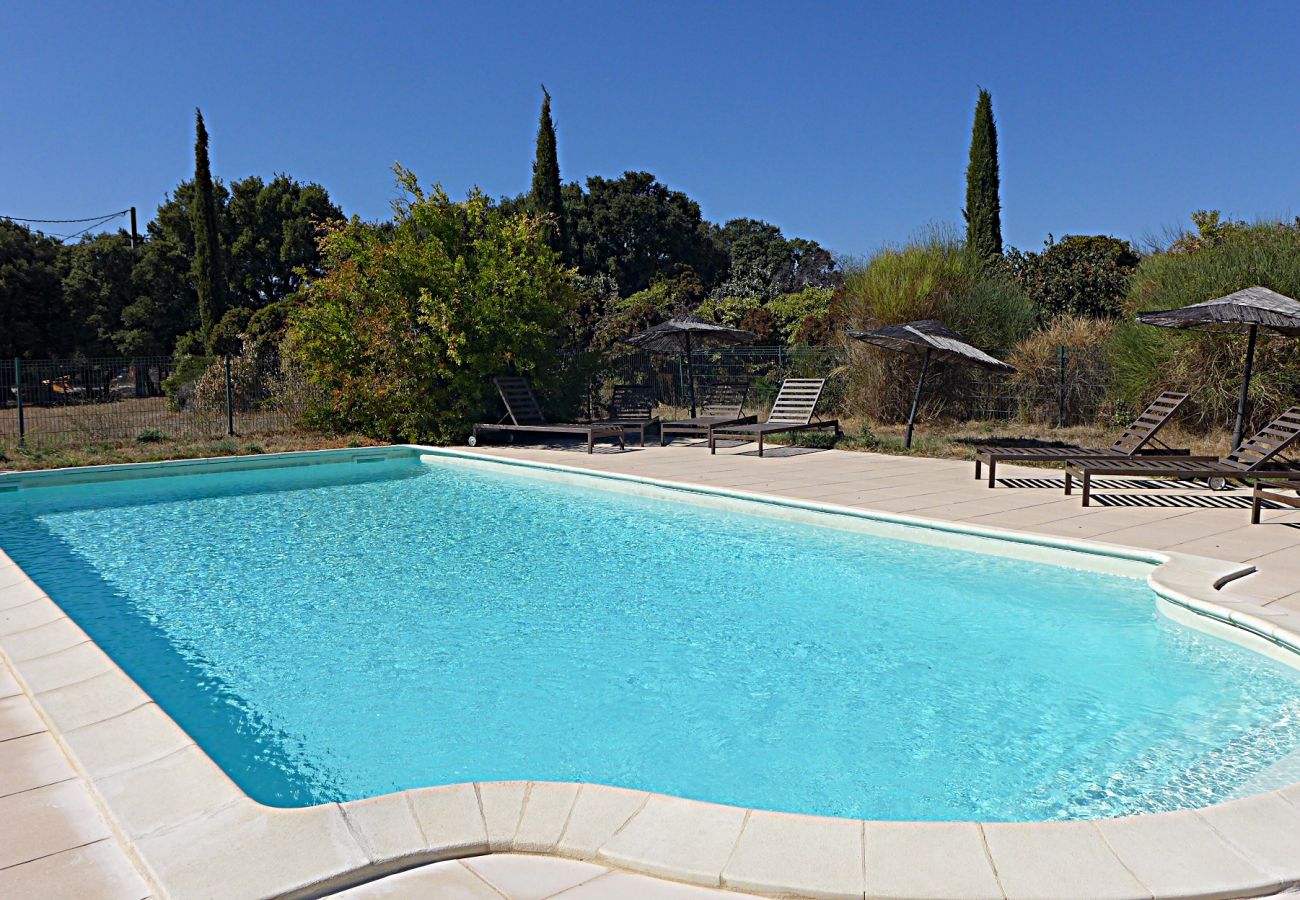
x=89, y=401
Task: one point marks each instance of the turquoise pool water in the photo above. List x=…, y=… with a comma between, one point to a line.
x=329, y=632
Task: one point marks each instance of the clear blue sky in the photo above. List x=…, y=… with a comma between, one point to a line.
x=846, y=123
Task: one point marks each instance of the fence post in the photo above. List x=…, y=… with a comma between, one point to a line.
x=230, y=400
x=1060, y=393
x=18, y=389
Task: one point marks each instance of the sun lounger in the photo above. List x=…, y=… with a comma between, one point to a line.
x=1256, y=458
x=525, y=415
x=792, y=411
x=1133, y=442
x=724, y=404
x=1273, y=493
x=632, y=407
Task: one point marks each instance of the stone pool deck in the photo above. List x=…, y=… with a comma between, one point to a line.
x=102, y=795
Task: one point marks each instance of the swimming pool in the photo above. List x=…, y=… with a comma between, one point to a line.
x=337, y=631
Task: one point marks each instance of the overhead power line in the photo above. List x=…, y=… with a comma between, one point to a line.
x=105, y=216
x=95, y=222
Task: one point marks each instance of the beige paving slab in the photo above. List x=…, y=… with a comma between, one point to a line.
x=532, y=877
x=31, y=762
x=1065, y=859
x=598, y=814
x=253, y=851
x=502, y=803
x=438, y=881
x=19, y=592
x=9, y=687
x=1180, y=855
x=29, y=615
x=65, y=667
x=546, y=812
x=680, y=839
x=123, y=742
x=97, y=871
x=809, y=855
x=1265, y=829
x=167, y=792
x=937, y=860
x=93, y=700
x=42, y=640
x=386, y=829
x=47, y=820
x=626, y=886
x=18, y=718
x=450, y=818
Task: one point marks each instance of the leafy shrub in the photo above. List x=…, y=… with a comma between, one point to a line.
x=1080, y=275
x=933, y=277
x=1220, y=259
x=227, y=334
x=150, y=436
x=1037, y=359
x=411, y=319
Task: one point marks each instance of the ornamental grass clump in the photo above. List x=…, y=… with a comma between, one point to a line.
x=1221, y=258
x=933, y=277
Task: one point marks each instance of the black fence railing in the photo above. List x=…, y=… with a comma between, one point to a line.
x=88, y=401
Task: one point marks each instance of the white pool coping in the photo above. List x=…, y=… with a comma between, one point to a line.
x=197, y=834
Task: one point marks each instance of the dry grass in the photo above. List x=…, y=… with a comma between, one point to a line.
x=50, y=457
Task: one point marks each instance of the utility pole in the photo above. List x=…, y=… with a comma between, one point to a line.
x=135, y=237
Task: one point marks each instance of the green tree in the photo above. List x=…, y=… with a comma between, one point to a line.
x=271, y=232
x=546, y=197
x=637, y=230
x=983, y=212
x=763, y=263
x=209, y=268
x=1079, y=275
x=98, y=284
x=33, y=323
x=410, y=319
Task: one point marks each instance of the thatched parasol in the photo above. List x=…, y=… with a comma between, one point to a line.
x=928, y=338
x=1249, y=309
x=684, y=334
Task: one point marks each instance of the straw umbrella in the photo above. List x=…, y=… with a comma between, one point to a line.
x=928, y=338
x=1246, y=310
x=685, y=334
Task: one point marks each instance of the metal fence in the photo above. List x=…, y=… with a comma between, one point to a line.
x=88, y=401
x=1072, y=388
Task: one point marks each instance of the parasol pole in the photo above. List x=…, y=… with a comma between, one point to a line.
x=690, y=373
x=1240, y=427
x=916, y=399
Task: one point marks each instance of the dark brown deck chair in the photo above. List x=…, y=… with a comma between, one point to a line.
x=1135, y=440
x=723, y=405
x=793, y=411
x=633, y=407
x=525, y=415
x=1272, y=493
x=1255, y=458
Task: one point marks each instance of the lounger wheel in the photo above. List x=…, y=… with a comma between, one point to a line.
x=1217, y=483
x=473, y=441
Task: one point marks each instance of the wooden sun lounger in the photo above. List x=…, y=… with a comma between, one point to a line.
x=724, y=404
x=792, y=411
x=1273, y=494
x=525, y=415
x=1254, y=459
x=633, y=408
x=1134, y=441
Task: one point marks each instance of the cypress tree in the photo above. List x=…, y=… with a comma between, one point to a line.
x=209, y=269
x=546, y=196
x=983, y=210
